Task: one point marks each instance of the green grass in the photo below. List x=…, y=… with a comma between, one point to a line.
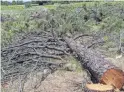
x=75, y=5
x=12, y=7
x=50, y=6
x=72, y=60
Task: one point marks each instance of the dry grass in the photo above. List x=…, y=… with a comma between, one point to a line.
x=118, y=62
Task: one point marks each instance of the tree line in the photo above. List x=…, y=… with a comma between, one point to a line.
x=21, y=2
x=14, y=2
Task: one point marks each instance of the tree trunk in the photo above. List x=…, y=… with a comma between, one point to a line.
x=101, y=70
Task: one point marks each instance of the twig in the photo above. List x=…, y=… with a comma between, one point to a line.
x=12, y=56
x=39, y=54
x=47, y=56
x=81, y=35
x=94, y=43
x=21, y=44
x=48, y=47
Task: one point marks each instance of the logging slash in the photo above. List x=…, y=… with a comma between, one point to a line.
x=101, y=70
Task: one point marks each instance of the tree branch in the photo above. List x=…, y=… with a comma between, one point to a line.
x=81, y=35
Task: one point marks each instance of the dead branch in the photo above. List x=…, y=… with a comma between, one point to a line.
x=81, y=35
x=95, y=43
x=32, y=53
x=21, y=45
x=49, y=47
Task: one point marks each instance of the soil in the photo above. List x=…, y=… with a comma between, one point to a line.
x=60, y=81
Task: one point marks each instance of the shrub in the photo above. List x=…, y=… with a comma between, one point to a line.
x=27, y=4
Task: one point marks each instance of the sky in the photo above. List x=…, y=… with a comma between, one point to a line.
x=16, y=0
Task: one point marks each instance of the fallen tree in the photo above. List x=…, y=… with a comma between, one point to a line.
x=36, y=51
x=101, y=70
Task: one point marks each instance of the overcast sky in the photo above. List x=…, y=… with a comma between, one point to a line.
x=16, y=0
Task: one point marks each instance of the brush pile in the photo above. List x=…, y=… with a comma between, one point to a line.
x=36, y=51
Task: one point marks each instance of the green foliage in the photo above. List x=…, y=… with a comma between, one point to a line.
x=14, y=2
x=27, y=4
x=19, y=2
x=75, y=62
x=74, y=17
x=12, y=7
x=49, y=6
x=4, y=3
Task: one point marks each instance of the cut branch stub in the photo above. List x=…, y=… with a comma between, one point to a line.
x=98, y=88
x=101, y=70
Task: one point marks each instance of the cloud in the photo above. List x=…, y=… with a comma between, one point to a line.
x=16, y=0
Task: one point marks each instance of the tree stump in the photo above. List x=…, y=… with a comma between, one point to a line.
x=98, y=88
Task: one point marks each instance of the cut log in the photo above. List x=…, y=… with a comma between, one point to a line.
x=98, y=88
x=101, y=70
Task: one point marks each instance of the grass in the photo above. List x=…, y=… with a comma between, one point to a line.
x=50, y=6
x=73, y=61
x=12, y=7
x=75, y=5
x=22, y=7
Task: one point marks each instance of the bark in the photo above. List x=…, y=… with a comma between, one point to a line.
x=97, y=65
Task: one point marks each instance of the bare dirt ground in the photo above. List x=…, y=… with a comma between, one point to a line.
x=118, y=62
x=62, y=82
x=59, y=81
